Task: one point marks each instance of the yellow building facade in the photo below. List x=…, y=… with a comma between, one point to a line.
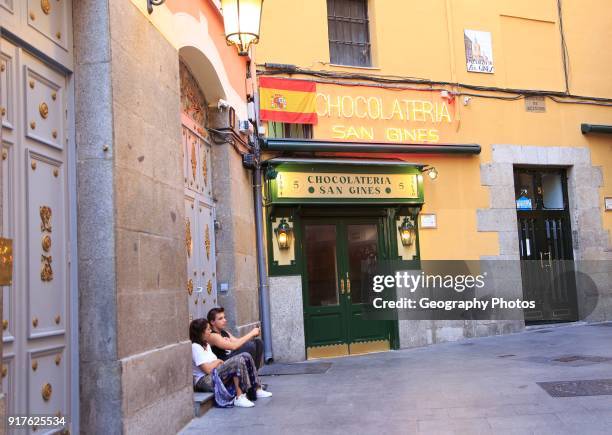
x=518, y=81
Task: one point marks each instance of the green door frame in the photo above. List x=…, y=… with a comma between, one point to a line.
x=347, y=312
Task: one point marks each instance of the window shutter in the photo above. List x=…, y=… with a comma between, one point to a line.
x=349, y=35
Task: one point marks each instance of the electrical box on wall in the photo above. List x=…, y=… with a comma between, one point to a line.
x=244, y=126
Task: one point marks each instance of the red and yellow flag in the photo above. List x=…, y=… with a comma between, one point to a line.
x=290, y=101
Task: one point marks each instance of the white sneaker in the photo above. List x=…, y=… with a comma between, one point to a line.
x=261, y=393
x=243, y=402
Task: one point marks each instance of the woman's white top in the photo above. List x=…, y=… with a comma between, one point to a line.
x=200, y=356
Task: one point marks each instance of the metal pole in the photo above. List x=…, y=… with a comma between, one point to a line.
x=264, y=291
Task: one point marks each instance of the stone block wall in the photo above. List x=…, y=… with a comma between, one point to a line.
x=134, y=351
x=287, y=317
x=152, y=317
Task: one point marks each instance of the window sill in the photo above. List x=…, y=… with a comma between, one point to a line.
x=375, y=68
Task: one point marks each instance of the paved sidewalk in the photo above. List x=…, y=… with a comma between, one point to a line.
x=477, y=386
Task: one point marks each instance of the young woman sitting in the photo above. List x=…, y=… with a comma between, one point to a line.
x=230, y=380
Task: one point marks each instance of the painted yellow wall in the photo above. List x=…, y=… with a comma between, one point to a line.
x=424, y=38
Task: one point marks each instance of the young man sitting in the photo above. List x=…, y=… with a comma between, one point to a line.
x=225, y=345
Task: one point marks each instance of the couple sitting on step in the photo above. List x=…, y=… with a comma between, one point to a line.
x=224, y=364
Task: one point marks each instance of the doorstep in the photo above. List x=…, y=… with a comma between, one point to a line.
x=202, y=402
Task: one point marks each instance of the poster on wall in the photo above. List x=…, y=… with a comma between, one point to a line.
x=478, y=51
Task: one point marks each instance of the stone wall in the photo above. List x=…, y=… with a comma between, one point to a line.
x=100, y=400
x=134, y=350
x=287, y=317
x=152, y=317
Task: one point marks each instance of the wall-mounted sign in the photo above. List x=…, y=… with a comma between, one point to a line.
x=373, y=114
x=428, y=220
x=608, y=204
x=535, y=104
x=320, y=184
x=523, y=203
x=329, y=184
x=478, y=51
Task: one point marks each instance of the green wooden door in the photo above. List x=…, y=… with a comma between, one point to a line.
x=337, y=253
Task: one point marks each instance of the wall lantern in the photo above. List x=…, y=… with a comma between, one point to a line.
x=284, y=234
x=151, y=3
x=242, y=19
x=431, y=171
x=407, y=231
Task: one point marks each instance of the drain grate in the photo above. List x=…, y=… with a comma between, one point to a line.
x=574, y=358
x=592, y=387
x=277, y=369
x=544, y=331
x=506, y=356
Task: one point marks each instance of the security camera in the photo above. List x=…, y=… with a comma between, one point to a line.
x=222, y=104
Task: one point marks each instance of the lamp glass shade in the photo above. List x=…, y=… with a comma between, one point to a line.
x=406, y=236
x=242, y=19
x=407, y=232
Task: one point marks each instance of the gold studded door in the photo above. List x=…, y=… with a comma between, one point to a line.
x=200, y=283
x=35, y=214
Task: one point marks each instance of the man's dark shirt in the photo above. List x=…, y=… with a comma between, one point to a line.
x=222, y=354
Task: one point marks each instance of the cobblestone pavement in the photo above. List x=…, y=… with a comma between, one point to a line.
x=477, y=386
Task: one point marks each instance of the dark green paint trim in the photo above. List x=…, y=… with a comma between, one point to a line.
x=592, y=128
x=331, y=146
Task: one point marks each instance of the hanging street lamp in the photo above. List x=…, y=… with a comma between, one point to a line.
x=284, y=234
x=242, y=19
x=407, y=232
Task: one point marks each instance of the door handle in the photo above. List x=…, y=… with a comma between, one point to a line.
x=348, y=283
x=341, y=286
x=542, y=255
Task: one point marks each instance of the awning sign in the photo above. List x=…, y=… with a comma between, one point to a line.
x=324, y=184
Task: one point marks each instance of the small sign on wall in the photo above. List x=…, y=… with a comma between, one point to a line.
x=478, y=51
x=523, y=203
x=535, y=104
x=428, y=220
x=608, y=203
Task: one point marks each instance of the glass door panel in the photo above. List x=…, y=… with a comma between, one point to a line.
x=322, y=266
x=362, y=250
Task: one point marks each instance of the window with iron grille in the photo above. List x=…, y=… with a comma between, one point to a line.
x=349, y=34
x=284, y=130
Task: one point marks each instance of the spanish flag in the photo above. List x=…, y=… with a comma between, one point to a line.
x=290, y=101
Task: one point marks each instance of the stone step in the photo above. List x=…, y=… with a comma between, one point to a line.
x=202, y=402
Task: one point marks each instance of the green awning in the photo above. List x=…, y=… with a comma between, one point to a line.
x=358, y=147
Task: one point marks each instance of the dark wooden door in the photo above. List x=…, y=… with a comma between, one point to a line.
x=545, y=243
x=337, y=253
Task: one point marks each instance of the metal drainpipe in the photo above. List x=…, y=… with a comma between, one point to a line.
x=264, y=291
